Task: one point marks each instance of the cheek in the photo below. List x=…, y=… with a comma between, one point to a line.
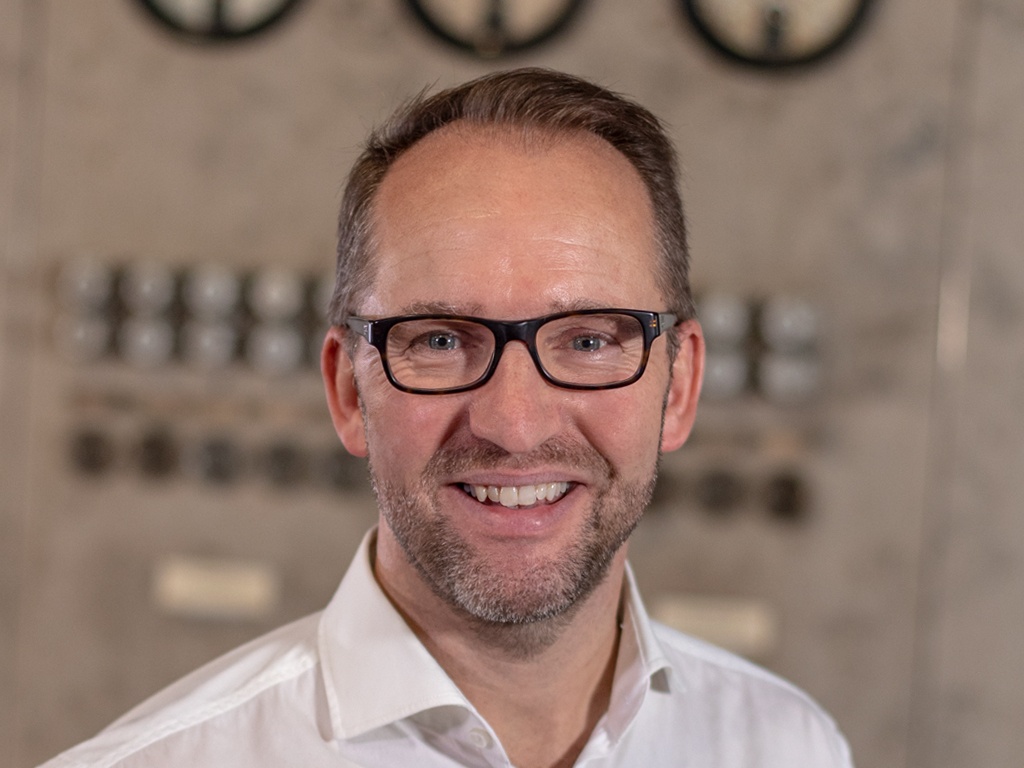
x=403, y=431
x=625, y=427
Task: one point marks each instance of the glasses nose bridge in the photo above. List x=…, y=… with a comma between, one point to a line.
x=524, y=331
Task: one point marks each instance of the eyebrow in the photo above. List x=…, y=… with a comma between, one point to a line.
x=475, y=309
x=440, y=308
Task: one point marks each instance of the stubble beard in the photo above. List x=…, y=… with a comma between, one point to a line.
x=520, y=601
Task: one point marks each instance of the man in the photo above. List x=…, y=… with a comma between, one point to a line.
x=513, y=345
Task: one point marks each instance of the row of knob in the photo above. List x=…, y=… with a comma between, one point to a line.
x=208, y=316
x=157, y=454
x=208, y=291
x=213, y=292
x=151, y=315
x=152, y=342
x=722, y=493
x=771, y=347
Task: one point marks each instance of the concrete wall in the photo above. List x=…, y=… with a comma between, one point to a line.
x=883, y=185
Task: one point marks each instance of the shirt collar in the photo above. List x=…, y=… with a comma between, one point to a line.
x=641, y=665
x=377, y=672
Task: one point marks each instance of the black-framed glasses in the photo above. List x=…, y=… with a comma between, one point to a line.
x=587, y=349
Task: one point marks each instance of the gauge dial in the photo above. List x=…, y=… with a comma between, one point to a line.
x=492, y=28
x=218, y=20
x=776, y=33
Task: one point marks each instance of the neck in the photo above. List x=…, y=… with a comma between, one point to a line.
x=541, y=686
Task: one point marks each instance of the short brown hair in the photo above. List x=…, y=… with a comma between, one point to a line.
x=531, y=98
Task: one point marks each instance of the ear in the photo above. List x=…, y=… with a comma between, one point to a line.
x=684, y=390
x=342, y=394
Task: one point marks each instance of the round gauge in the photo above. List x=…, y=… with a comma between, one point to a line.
x=208, y=21
x=776, y=33
x=492, y=28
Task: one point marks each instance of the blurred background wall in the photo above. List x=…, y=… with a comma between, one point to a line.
x=858, y=531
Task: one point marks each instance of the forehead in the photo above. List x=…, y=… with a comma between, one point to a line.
x=498, y=221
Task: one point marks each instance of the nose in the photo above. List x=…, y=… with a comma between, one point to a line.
x=516, y=410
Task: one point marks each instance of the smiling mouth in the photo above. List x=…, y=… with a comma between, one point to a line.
x=516, y=496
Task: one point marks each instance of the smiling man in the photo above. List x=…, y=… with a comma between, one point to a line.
x=513, y=345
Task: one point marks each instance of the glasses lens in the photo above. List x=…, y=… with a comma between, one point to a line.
x=438, y=353
x=592, y=350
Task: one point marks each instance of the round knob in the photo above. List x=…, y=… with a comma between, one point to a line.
x=92, y=451
x=218, y=460
x=719, y=491
x=343, y=471
x=276, y=295
x=157, y=454
x=726, y=374
x=789, y=378
x=286, y=464
x=726, y=320
x=789, y=324
x=668, y=491
x=785, y=496
x=147, y=289
x=83, y=338
x=146, y=342
x=209, y=344
x=85, y=285
x=275, y=349
x=211, y=291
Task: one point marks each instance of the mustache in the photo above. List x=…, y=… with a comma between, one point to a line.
x=464, y=454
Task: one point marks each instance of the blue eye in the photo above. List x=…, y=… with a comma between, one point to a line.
x=587, y=344
x=443, y=341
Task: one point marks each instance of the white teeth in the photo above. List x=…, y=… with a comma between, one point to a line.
x=550, y=491
x=527, y=495
x=518, y=495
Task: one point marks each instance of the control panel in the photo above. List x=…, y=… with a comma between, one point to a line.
x=177, y=366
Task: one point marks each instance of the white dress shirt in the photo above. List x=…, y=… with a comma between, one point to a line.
x=352, y=687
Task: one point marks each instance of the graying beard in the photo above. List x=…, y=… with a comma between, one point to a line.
x=519, y=635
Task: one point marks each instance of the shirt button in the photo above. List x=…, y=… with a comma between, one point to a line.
x=480, y=738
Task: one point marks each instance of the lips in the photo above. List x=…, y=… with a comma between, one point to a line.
x=517, y=496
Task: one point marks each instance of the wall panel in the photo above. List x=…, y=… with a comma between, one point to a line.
x=973, y=627
x=852, y=185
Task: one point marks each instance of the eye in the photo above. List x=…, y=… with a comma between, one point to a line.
x=443, y=342
x=587, y=343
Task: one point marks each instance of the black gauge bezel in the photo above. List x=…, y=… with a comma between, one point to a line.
x=219, y=32
x=694, y=14
x=511, y=47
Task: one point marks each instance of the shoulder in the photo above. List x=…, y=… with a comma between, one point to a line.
x=213, y=694
x=772, y=713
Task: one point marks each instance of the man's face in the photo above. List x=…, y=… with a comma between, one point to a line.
x=478, y=223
